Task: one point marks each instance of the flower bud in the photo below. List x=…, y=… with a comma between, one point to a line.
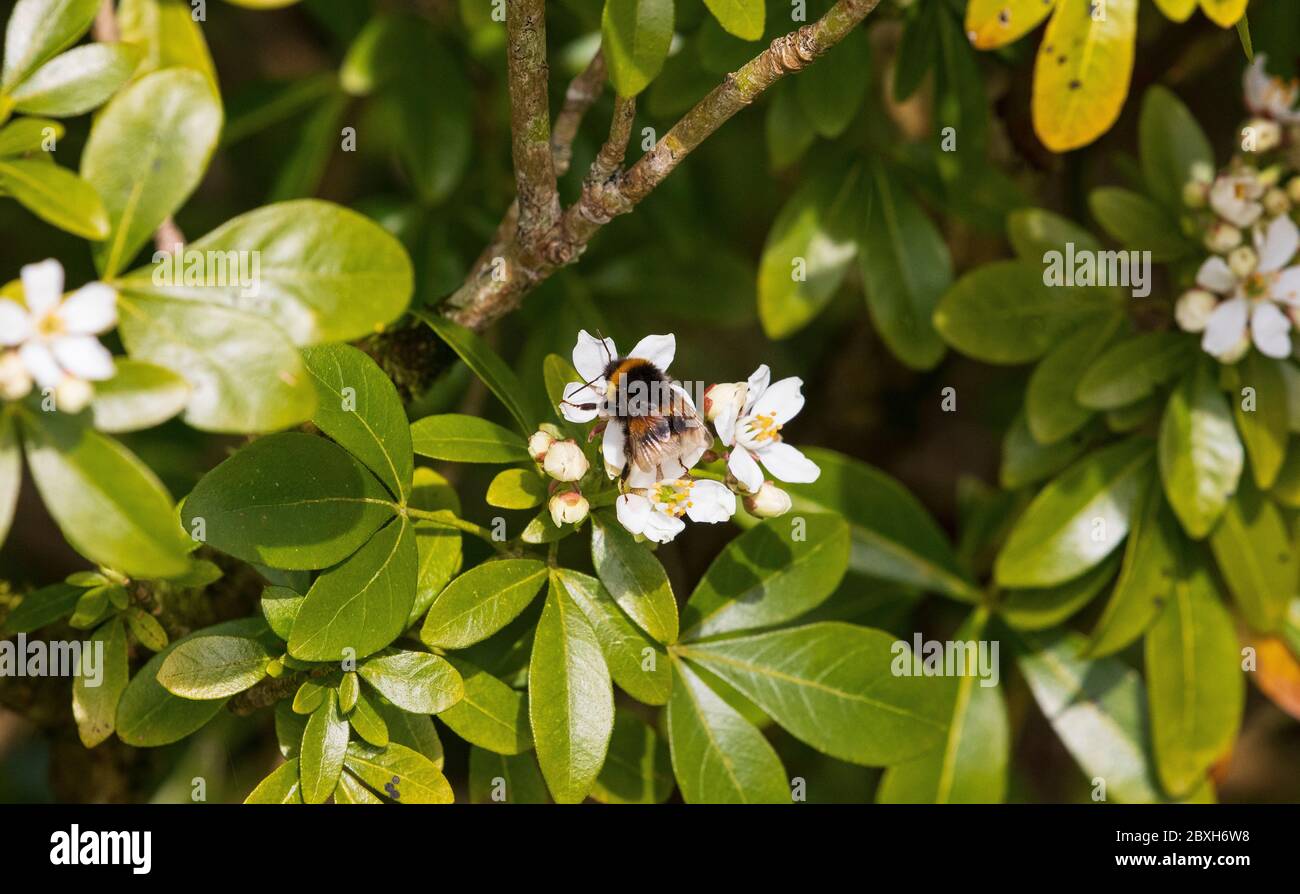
x=15, y=380
x=1268, y=135
x=1222, y=238
x=1196, y=194
x=1202, y=172
x=72, y=395
x=769, y=502
x=538, y=443
x=565, y=461
x=1193, y=310
x=568, y=508
x=717, y=398
x=1243, y=261
x=1276, y=202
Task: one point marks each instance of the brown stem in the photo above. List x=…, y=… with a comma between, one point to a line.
x=530, y=124
x=583, y=91
x=610, y=157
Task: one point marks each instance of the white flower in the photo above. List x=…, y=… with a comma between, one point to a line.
x=1235, y=198
x=568, y=508
x=753, y=432
x=1270, y=97
x=769, y=502
x=1253, y=307
x=584, y=401
x=565, y=461
x=656, y=512
x=1193, y=309
x=55, y=336
x=1268, y=135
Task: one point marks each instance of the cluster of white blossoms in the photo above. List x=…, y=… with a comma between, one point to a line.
x=49, y=340
x=747, y=419
x=1248, y=290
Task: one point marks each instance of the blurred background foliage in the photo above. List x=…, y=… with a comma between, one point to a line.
x=422, y=85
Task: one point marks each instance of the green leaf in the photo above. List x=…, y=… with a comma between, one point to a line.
x=401, y=774
x=505, y=779
x=638, y=768
x=1050, y=406
x=808, y=251
x=467, y=439
x=1254, y=548
x=318, y=271
x=1043, y=607
x=367, y=722
x=41, y=607
x=245, y=374
x=1078, y=519
x=718, y=756
x=570, y=699
x=905, y=268
x=140, y=395
x=637, y=664
x=1171, y=144
x=1134, y=368
x=110, y=507
x=324, y=744
x=482, y=601
x=350, y=790
x=146, y=629
x=281, y=786
x=310, y=696
x=77, y=81
x=148, y=715
x=11, y=472
x=38, y=30
x=1138, y=224
x=1004, y=312
x=209, y=667
x=918, y=49
x=971, y=767
x=146, y=153
x=415, y=731
x=517, y=489
x=832, y=89
x=280, y=606
x=635, y=36
x=30, y=135
x=291, y=501
x=1200, y=454
x=167, y=35
x=439, y=550
x=1025, y=461
x=362, y=603
x=742, y=18
x=634, y=577
x=1033, y=232
x=892, y=536
x=56, y=195
x=1145, y=577
x=94, y=707
x=1098, y=710
x=414, y=681
x=358, y=407
x=491, y=715
x=788, y=130
x=487, y=365
x=767, y=576
x=1194, y=683
x=1261, y=414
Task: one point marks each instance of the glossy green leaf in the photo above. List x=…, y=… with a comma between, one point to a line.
x=1025, y=461
x=77, y=81
x=638, y=768
x=1255, y=551
x=56, y=195
x=1171, y=145
x=834, y=686
x=94, y=707
x=1042, y=607
x=635, y=36
x=109, y=505
x=718, y=756
x=1201, y=456
x=281, y=786
x=280, y=606
x=146, y=153
x=167, y=35
x=634, y=577
x=38, y=30
x=1132, y=369
x=140, y=395
x=415, y=731
x=310, y=696
x=351, y=790
x=1078, y=519
x=1259, y=404
x=1137, y=224
x=1051, y=410
x=362, y=603
x=414, y=681
x=570, y=699
x=743, y=18
x=833, y=88
x=208, y=667
x=145, y=628
x=399, y=773
x=31, y=135
x=517, y=489
x=491, y=715
x=1033, y=232
x=41, y=607
x=288, y=501
x=324, y=744
x=487, y=365
x=482, y=601
x=368, y=723
x=505, y=779
x=467, y=439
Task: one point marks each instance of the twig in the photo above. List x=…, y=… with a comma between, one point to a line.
x=583, y=91
x=611, y=155
x=530, y=124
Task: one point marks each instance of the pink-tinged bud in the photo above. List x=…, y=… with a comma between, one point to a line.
x=1222, y=238
x=717, y=398
x=568, y=508
x=538, y=444
x=769, y=502
x=565, y=461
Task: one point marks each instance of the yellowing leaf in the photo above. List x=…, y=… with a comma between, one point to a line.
x=1224, y=13
x=1178, y=10
x=1082, y=74
x=995, y=23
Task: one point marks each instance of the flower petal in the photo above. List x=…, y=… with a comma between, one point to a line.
x=84, y=357
x=633, y=511
x=1217, y=276
x=782, y=401
x=1277, y=246
x=741, y=464
x=710, y=502
x=611, y=446
x=1286, y=288
x=662, y=528
x=15, y=323
x=591, y=355
x=638, y=477
x=1225, y=327
x=1255, y=83
x=671, y=469
x=757, y=384
x=42, y=286
x=90, y=310
x=40, y=362
x=788, y=463
x=576, y=395
x=1271, y=330
x=658, y=349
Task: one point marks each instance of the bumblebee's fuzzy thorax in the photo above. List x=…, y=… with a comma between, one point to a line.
x=631, y=375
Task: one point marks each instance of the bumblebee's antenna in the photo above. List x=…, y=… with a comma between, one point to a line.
x=608, y=357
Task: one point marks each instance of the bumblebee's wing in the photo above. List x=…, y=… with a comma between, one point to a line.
x=668, y=434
